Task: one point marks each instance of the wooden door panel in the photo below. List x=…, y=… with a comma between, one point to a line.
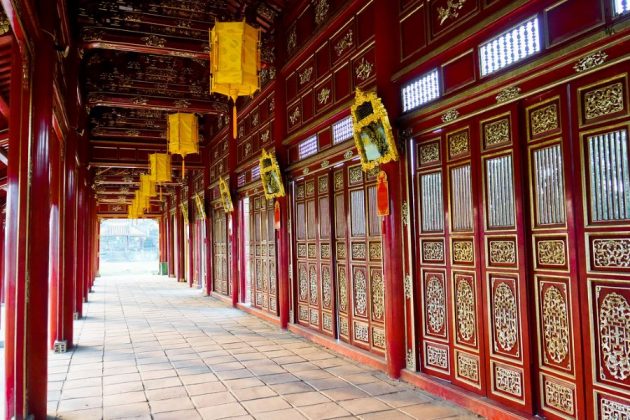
x=263, y=254
x=221, y=252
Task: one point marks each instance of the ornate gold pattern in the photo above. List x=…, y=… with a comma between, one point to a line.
x=313, y=285
x=323, y=184
x=433, y=251
x=378, y=337
x=312, y=251
x=323, y=96
x=324, y=250
x=355, y=175
x=361, y=332
x=437, y=356
x=435, y=304
x=338, y=181
x=295, y=115
x=465, y=310
x=544, y=119
x=358, y=251
x=153, y=41
x=450, y=115
x=614, y=410
x=376, y=251
x=555, y=320
x=429, y=153
x=327, y=321
x=411, y=360
x=508, y=94
x=450, y=11
x=310, y=189
x=604, y=101
x=300, y=191
x=364, y=70
x=590, y=61
x=611, y=253
x=303, y=313
x=614, y=330
x=463, y=252
x=314, y=316
x=559, y=397
x=467, y=367
x=292, y=39
x=305, y=75
x=508, y=380
x=303, y=284
x=360, y=293
x=344, y=43
x=341, y=251
x=343, y=289
x=321, y=11
x=378, y=295
x=502, y=252
x=458, y=143
x=404, y=213
x=348, y=154
x=551, y=252
x=326, y=288
x=497, y=132
x=343, y=326
x=505, y=314
x=408, y=286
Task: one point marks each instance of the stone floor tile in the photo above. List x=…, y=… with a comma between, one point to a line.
x=323, y=411
x=243, y=383
x=121, y=388
x=306, y=398
x=205, y=388
x=158, y=374
x=287, y=414
x=80, y=404
x=178, y=415
x=405, y=398
x=345, y=393
x=253, y=393
x=126, y=398
x=431, y=411
x=90, y=414
x=198, y=379
x=127, y=411
x=386, y=415
x=364, y=405
x=86, y=391
x=265, y=404
x=162, y=383
x=119, y=379
x=166, y=393
x=171, y=404
x=210, y=400
x=222, y=411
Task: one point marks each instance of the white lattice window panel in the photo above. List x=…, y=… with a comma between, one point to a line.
x=621, y=6
x=308, y=147
x=255, y=172
x=420, y=91
x=342, y=130
x=512, y=46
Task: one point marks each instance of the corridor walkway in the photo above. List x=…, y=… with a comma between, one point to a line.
x=152, y=348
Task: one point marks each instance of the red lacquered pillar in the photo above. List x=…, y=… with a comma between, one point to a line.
x=233, y=219
x=55, y=284
x=16, y=241
x=189, y=226
x=208, y=221
x=179, y=235
x=386, y=28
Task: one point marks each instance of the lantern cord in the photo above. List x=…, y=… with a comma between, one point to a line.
x=183, y=167
x=160, y=187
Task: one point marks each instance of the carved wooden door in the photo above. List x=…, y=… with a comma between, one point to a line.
x=471, y=242
x=360, y=283
x=263, y=254
x=220, y=248
x=315, y=287
x=602, y=134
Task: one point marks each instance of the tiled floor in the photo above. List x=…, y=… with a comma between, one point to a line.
x=152, y=348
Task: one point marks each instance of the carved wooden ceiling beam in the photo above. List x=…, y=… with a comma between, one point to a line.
x=117, y=133
x=134, y=164
x=151, y=102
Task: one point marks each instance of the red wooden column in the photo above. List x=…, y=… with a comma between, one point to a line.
x=55, y=245
x=190, y=230
x=170, y=255
x=179, y=238
x=80, y=266
x=233, y=219
x=387, y=55
x=208, y=221
x=15, y=240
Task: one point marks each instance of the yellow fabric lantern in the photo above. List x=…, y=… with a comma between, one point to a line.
x=147, y=186
x=234, y=61
x=160, y=167
x=182, y=135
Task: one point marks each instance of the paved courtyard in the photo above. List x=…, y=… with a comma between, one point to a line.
x=149, y=347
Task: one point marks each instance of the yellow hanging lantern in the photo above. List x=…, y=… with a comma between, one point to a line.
x=182, y=135
x=160, y=167
x=147, y=186
x=234, y=61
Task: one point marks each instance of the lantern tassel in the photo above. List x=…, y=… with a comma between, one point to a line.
x=183, y=167
x=234, y=117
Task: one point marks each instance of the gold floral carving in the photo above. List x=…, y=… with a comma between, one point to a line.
x=505, y=313
x=364, y=70
x=360, y=293
x=323, y=184
x=361, y=332
x=324, y=251
x=559, y=397
x=551, y=252
x=343, y=326
x=458, y=143
x=358, y=251
x=508, y=380
x=429, y=152
x=300, y=191
x=343, y=289
x=590, y=61
x=463, y=252
x=465, y=309
x=321, y=11
x=312, y=250
x=295, y=115
x=497, y=132
x=467, y=367
x=411, y=360
x=355, y=175
x=341, y=251
x=437, y=357
x=314, y=316
x=614, y=330
x=327, y=321
x=613, y=410
x=435, y=304
x=555, y=320
x=508, y=94
x=348, y=154
x=433, y=251
x=323, y=96
x=603, y=101
x=378, y=337
x=611, y=253
x=502, y=252
x=376, y=251
x=312, y=274
x=450, y=115
x=305, y=75
x=303, y=313
x=378, y=295
x=310, y=189
x=344, y=43
x=450, y=11
x=5, y=25
x=326, y=288
x=408, y=287
x=544, y=119
x=303, y=284
x=153, y=41
x=404, y=213
x=338, y=181
x=292, y=39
